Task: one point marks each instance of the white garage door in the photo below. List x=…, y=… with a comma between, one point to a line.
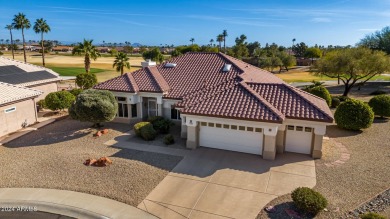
x=298, y=139
x=231, y=137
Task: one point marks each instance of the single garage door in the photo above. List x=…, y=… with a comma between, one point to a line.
x=231, y=137
x=298, y=139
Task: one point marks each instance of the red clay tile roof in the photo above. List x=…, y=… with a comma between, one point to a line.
x=244, y=92
x=123, y=83
x=293, y=102
x=231, y=99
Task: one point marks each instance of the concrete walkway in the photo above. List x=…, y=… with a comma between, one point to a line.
x=69, y=203
x=122, y=142
x=210, y=183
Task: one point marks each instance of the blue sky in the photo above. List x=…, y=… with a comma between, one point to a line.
x=335, y=22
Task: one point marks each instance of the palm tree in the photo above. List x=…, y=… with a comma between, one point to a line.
x=211, y=42
x=192, y=41
x=41, y=26
x=20, y=22
x=225, y=34
x=121, y=61
x=89, y=51
x=220, y=40
x=10, y=27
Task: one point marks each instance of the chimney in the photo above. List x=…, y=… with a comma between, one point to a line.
x=148, y=63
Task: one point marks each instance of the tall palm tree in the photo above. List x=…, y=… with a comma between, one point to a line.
x=10, y=27
x=89, y=51
x=192, y=41
x=41, y=27
x=121, y=61
x=220, y=40
x=20, y=22
x=225, y=34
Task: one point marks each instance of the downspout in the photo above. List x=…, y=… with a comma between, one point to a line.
x=35, y=110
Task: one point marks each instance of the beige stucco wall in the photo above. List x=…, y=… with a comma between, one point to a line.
x=11, y=122
x=46, y=88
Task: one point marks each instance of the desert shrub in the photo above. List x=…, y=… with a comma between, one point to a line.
x=138, y=126
x=145, y=130
x=321, y=91
x=308, y=200
x=76, y=91
x=168, y=139
x=59, y=100
x=335, y=102
x=148, y=133
x=42, y=104
x=372, y=215
x=94, y=106
x=343, y=98
x=86, y=80
x=354, y=115
x=378, y=92
x=380, y=105
x=161, y=124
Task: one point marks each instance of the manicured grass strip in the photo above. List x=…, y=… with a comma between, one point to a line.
x=73, y=71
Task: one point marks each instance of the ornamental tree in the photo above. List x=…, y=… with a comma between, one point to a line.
x=86, y=80
x=353, y=65
x=94, y=106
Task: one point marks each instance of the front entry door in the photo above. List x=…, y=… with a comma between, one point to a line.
x=152, y=107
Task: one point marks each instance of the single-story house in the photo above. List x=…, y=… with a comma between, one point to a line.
x=62, y=49
x=224, y=103
x=17, y=107
x=28, y=75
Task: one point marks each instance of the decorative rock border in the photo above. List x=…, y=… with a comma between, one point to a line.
x=377, y=204
x=344, y=157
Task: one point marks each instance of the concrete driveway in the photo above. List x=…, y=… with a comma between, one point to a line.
x=210, y=183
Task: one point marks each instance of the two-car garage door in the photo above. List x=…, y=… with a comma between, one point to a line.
x=231, y=137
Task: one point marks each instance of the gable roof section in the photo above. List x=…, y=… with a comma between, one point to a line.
x=24, y=74
x=10, y=93
x=163, y=85
x=292, y=103
x=232, y=99
x=123, y=83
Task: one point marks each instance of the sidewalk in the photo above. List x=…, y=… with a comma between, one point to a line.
x=69, y=203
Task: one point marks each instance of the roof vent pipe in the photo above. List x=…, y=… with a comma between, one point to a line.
x=227, y=67
x=170, y=65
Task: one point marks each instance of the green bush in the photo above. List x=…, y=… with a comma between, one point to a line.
x=59, y=100
x=372, y=215
x=343, y=98
x=145, y=130
x=308, y=200
x=321, y=91
x=168, y=139
x=94, y=106
x=161, y=124
x=86, y=80
x=380, y=105
x=42, y=104
x=138, y=126
x=378, y=92
x=354, y=115
x=76, y=91
x=335, y=102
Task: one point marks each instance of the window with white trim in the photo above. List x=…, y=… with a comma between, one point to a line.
x=175, y=114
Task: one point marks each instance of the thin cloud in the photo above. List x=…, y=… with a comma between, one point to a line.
x=321, y=20
x=367, y=29
x=236, y=20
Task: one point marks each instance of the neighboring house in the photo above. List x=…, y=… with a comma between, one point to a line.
x=17, y=107
x=103, y=49
x=62, y=49
x=224, y=103
x=28, y=75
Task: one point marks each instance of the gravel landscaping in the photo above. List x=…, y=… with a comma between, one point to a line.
x=53, y=156
x=346, y=186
